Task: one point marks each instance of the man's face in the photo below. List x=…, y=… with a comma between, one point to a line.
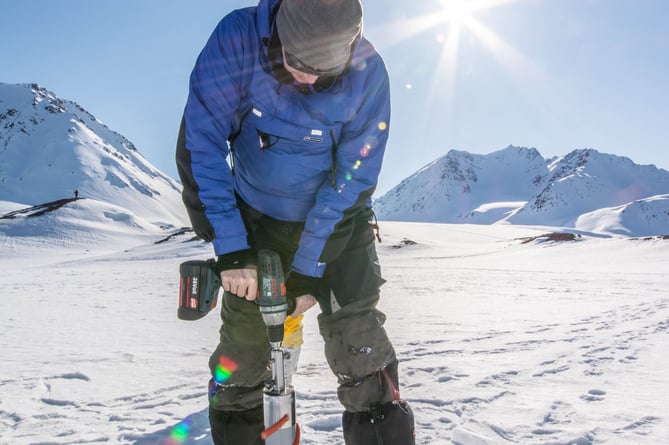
x=299, y=76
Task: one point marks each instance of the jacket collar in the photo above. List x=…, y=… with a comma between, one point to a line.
x=265, y=14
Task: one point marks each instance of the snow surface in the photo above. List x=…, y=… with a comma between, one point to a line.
x=500, y=341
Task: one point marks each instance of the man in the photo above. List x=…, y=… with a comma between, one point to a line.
x=280, y=147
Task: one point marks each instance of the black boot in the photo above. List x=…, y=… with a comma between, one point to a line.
x=388, y=424
x=236, y=427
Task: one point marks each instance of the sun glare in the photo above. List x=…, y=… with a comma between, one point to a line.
x=449, y=20
x=457, y=11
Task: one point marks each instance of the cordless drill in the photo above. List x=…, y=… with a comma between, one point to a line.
x=278, y=398
x=198, y=294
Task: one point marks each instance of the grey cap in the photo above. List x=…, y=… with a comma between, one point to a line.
x=319, y=33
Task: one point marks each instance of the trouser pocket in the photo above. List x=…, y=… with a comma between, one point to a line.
x=355, y=275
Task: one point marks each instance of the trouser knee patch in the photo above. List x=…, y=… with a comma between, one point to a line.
x=234, y=398
x=357, y=348
x=238, y=376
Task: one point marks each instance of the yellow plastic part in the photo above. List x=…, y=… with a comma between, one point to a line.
x=293, y=336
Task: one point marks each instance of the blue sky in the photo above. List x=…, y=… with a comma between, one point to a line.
x=556, y=75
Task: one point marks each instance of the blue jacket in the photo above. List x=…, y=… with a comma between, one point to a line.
x=299, y=153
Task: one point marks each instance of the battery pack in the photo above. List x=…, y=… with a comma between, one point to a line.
x=199, y=287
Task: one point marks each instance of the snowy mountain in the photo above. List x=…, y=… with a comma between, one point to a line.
x=632, y=218
x=50, y=148
x=517, y=185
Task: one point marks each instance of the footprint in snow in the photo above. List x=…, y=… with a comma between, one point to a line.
x=594, y=395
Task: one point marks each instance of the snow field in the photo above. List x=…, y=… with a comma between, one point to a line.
x=499, y=342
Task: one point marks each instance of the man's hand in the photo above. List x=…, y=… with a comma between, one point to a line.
x=301, y=289
x=241, y=282
x=303, y=304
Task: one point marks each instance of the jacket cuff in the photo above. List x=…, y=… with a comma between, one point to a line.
x=236, y=260
x=298, y=285
x=307, y=265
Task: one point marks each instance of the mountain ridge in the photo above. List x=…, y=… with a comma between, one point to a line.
x=516, y=185
x=50, y=147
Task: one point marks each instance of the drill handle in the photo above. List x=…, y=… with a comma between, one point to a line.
x=271, y=281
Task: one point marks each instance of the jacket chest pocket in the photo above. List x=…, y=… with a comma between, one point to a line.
x=272, y=151
x=286, y=136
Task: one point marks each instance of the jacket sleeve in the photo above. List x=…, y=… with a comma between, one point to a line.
x=208, y=122
x=359, y=157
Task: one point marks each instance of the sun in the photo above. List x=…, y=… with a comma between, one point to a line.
x=447, y=15
x=449, y=20
x=457, y=11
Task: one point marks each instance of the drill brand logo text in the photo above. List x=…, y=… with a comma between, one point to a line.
x=269, y=287
x=193, y=293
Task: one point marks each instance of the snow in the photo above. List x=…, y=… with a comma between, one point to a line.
x=500, y=342
x=633, y=218
x=492, y=212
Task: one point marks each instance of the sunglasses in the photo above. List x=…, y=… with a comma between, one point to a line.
x=296, y=63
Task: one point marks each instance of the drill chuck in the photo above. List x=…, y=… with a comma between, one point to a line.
x=274, y=317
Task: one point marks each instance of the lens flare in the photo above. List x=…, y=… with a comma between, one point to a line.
x=179, y=433
x=224, y=369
